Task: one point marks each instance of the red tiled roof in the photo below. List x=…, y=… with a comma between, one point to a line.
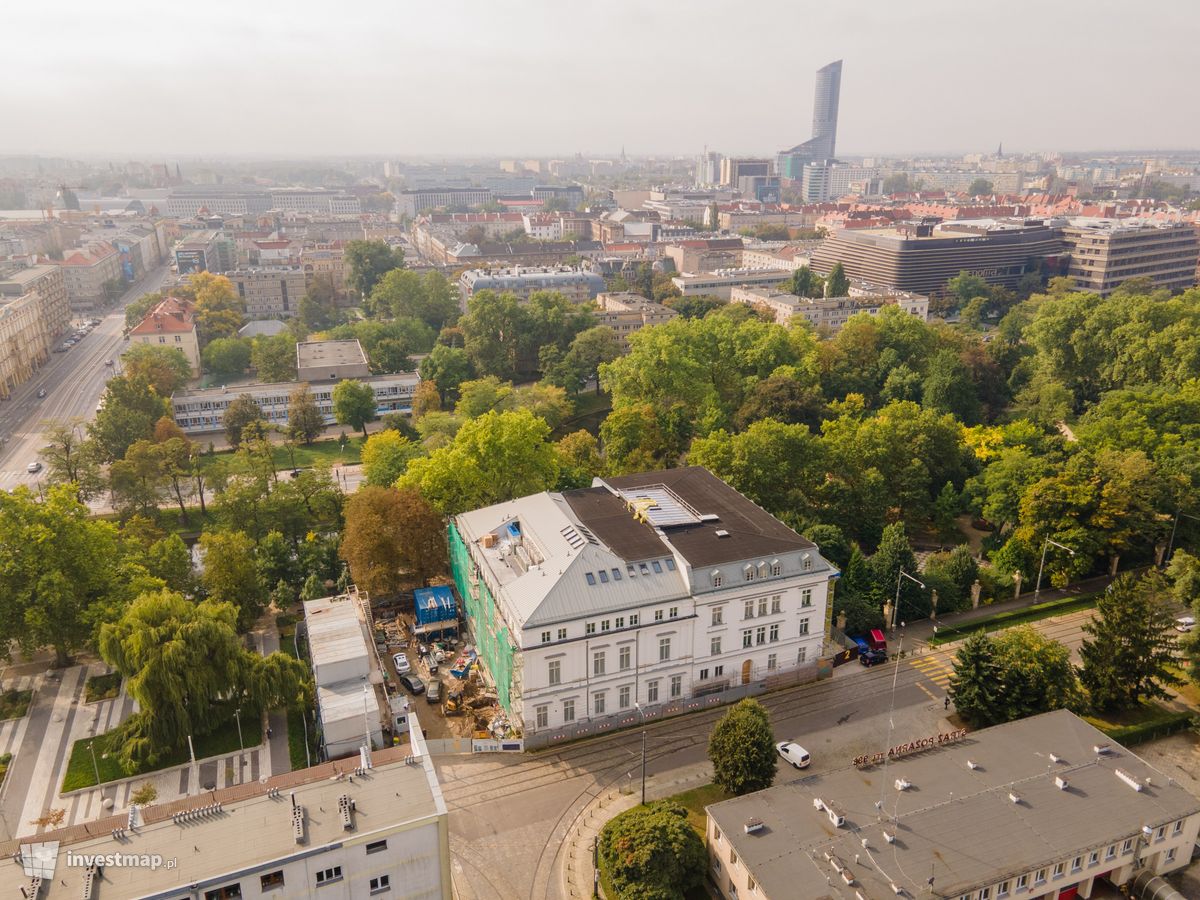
x=171, y=316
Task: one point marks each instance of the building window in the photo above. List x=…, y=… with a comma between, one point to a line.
x=674, y=613
x=749, y=573
x=714, y=646
x=1127, y=846
x=1093, y=857
x=774, y=633
x=704, y=674
x=664, y=649
x=657, y=566
x=325, y=876
x=717, y=579
x=543, y=716
x=275, y=879
x=804, y=626
x=1171, y=855
x=776, y=605
x=620, y=622
x=1161, y=833
x=676, y=685
x=1002, y=890
x=589, y=628
x=652, y=691
x=1022, y=882
x=1040, y=877
x=762, y=606
x=985, y=894
x=772, y=660
x=718, y=615
x=623, y=697
x=643, y=568
x=603, y=577
x=806, y=565
x=381, y=883
x=747, y=639
x=718, y=671
x=554, y=668
x=598, y=704
x=623, y=658
x=658, y=616
x=776, y=569
x=229, y=892
x=1111, y=852
x=670, y=565
x=376, y=847
x=562, y=634
x=633, y=620
x=1177, y=828
x=591, y=579
x=598, y=663
x=568, y=710
x=749, y=613
x=606, y=625
x=1077, y=864
x=1059, y=868
x=806, y=597
x=616, y=574
x=545, y=637
x=760, y=635
x=801, y=655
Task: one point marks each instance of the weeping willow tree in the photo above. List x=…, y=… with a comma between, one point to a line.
x=187, y=668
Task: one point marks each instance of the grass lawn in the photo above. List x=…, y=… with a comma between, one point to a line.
x=81, y=772
x=102, y=687
x=5, y=761
x=1144, y=722
x=296, y=723
x=694, y=802
x=1189, y=691
x=1014, y=617
x=14, y=704
x=319, y=453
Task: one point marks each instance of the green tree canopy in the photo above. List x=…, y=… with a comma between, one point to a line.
x=741, y=748
x=651, y=853
x=230, y=575
x=164, y=368
x=242, y=416
x=447, y=368
x=386, y=455
x=305, y=421
x=128, y=412
x=366, y=263
x=274, y=357
x=1016, y=674
x=392, y=537
x=226, y=357
x=354, y=404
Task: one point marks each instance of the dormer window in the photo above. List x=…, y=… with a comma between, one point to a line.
x=749, y=573
x=776, y=568
x=717, y=578
x=806, y=562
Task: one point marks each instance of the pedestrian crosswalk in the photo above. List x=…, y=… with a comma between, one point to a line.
x=934, y=668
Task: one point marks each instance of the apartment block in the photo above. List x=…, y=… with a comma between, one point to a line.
x=829, y=314
x=578, y=285
x=722, y=282
x=172, y=323
x=271, y=292
x=1106, y=252
x=49, y=284
x=627, y=313
x=88, y=272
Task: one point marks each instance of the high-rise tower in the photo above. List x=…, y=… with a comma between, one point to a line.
x=820, y=146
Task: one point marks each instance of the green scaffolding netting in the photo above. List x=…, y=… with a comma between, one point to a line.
x=492, y=639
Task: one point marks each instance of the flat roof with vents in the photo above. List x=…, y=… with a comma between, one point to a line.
x=659, y=506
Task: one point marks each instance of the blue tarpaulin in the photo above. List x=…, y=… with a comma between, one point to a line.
x=435, y=606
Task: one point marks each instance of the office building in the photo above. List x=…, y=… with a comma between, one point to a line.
x=627, y=313
x=203, y=410
x=172, y=323
x=324, y=263
x=271, y=292
x=199, y=252
x=639, y=593
x=234, y=200
x=922, y=257
x=412, y=202
x=330, y=360
x=571, y=195
x=1106, y=252
x=1044, y=807
x=578, y=285
x=733, y=168
x=829, y=314
x=49, y=284
x=826, y=97
x=708, y=169
x=341, y=830
x=827, y=180
x=722, y=282
x=705, y=254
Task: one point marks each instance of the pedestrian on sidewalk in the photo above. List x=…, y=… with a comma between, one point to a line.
x=946, y=702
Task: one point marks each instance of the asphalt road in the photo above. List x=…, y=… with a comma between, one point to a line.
x=510, y=817
x=74, y=382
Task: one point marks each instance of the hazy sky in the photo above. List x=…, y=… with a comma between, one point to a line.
x=538, y=78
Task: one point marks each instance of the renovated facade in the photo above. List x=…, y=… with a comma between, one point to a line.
x=172, y=323
x=1106, y=252
x=270, y=292
x=829, y=314
x=637, y=593
x=578, y=285
x=626, y=313
x=1043, y=807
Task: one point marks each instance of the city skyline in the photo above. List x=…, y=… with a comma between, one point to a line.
x=443, y=81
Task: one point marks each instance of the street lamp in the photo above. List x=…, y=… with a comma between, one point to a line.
x=237, y=714
x=1174, y=525
x=95, y=765
x=642, y=716
x=1037, y=588
x=900, y=576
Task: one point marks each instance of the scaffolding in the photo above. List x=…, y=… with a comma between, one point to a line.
x=493, y=642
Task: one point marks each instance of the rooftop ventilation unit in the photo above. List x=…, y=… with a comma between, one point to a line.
x=889, y=837
x=972, y=765
x=1101, y=749
x=1055, y=758
x=903, y=784
x=709, y=517
x=1129, y=780
x=753, y=826
x=722, y=533
x=1061, y=783
x=346, y=812
x=297, y=821
x=89, y=878
x=1014, y=797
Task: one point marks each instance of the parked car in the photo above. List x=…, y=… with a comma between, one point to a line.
x=434, y=692
x=872, y=657
x=413, y=683
x=794, y=754
x=431, y=664
x=34, y=467
x=1185, y=624
x=109, y=363
x=403, y=667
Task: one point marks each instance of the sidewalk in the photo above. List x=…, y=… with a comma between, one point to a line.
x=277, y=759
x=917, y=633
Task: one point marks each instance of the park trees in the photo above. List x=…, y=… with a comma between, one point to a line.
x=220, y=312
x=367, y=262
x=446, y=368
x=354, y=404
x=226, y=357
x=71, y=459
x=406, y=294
x=386, y=455
x=498, y=456
x=59, y=571
x=1130, y=652
x=305, y=421
x=128, y=412
x=651, y=853
x=274, y=357
x=164, y=368
x=230, y=574
x=318, y=307
x=392, y=536
x=741, y=748
x=1016, y=674
x=837, y=284
x=186, y=666
x=242, y=417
